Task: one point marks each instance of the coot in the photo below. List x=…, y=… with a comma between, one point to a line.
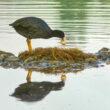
x=32, y=28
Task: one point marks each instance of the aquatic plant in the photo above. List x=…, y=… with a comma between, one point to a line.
x=57, y=54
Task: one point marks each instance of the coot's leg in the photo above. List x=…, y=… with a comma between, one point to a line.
x=29, y=44
x=29, y=76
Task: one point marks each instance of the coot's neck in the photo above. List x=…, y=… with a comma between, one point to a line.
x=55, y=33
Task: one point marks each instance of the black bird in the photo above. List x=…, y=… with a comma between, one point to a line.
x=32, y=28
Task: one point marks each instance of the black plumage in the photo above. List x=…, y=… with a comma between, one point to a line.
x=32, y=27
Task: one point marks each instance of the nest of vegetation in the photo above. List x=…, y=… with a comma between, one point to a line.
x=57, y=54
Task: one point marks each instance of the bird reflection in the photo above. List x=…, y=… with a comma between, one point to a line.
x=36, y=91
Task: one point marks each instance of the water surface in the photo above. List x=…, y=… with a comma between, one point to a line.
x=86, y=24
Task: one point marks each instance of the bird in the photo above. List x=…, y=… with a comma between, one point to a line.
x=33, y=28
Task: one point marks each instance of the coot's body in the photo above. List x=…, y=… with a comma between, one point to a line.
x=32, y=28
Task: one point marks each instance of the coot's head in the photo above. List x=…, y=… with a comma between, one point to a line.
x=60, y=34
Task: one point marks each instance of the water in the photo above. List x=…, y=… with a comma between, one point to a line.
x=86, y=24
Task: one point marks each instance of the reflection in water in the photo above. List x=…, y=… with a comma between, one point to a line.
x=63, y=77
x=36, y=91
x=72, y=17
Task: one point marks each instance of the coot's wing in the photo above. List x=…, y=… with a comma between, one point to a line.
x=39, y=28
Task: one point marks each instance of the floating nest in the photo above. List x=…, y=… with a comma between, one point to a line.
x=55, y=60
x=73, y=55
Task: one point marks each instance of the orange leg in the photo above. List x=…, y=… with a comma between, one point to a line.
x=29, y=44
x=29, y=76
x=63, y=78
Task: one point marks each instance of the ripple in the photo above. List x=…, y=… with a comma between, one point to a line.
x=82, y=22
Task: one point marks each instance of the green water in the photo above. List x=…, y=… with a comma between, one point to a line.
x=86, y=24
